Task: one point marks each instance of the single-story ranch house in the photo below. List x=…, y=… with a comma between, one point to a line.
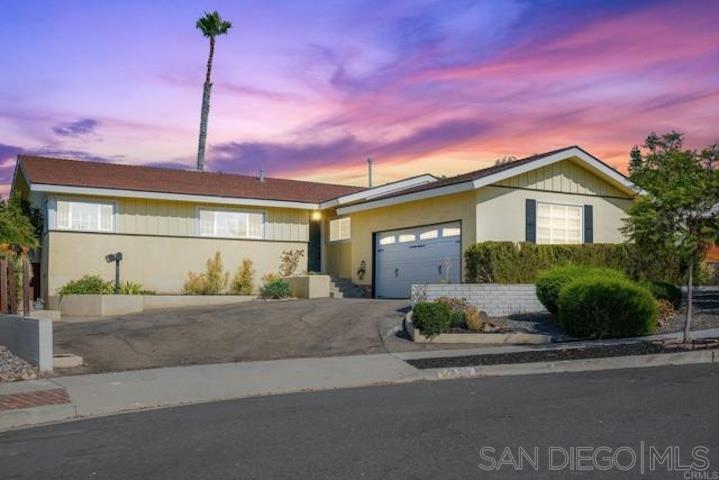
x=168, y=222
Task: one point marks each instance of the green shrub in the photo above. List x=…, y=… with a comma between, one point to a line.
x=664, y=291
x=88, y=285
x=456, y=308
x=431, y=318
x=551, y=281
x=508, y=262
x=606, y=307
x=243, y=283
x=276, y=288
x=134, y=288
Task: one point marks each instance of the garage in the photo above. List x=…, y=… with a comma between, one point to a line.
x=428, y=254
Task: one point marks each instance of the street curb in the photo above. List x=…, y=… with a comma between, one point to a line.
x=49, y=414
x=35, y=416
x=568, y=366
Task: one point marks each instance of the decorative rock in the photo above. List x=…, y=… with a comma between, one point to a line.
x=14, y=368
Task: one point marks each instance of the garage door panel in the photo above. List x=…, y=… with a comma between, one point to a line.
x=428, y=254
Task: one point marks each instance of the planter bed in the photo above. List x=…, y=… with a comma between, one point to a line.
x=555, y=355
x=513, y=336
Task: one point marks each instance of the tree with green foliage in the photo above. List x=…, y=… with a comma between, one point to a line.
x=211, y=25
x=18, y=235
x=678, y=210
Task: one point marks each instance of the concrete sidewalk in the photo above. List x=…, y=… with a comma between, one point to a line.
x=62, y=398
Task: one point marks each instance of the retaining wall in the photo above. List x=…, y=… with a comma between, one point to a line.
x=497, y=300
x=29, y=339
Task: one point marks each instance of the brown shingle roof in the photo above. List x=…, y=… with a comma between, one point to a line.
x=76, y=173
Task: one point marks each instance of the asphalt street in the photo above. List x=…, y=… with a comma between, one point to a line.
x=457, y=429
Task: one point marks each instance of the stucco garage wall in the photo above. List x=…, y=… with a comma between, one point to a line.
x=460, y=206
x=501, y=213
x=338, y=258
x=160, y=263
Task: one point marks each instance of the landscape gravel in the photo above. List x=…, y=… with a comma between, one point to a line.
x=14, y=368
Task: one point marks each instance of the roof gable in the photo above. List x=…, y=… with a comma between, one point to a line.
x=498, y=173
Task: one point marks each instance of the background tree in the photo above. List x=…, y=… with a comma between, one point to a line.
x=211, y=25
x=679, y=210
x=18, y=236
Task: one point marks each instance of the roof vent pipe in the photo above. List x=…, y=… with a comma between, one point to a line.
x=369, y=171
x=261, y=177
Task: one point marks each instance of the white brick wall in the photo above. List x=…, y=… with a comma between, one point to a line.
x=494, y=298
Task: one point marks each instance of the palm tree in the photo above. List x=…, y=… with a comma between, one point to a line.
x=211, y=25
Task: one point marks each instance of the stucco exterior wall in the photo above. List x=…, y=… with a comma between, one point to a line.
x=160, y=263
x=501, y=213
x=459, y=206
x=338, y=258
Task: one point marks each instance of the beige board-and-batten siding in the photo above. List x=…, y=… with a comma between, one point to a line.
x=160, y=244
x=495, y=212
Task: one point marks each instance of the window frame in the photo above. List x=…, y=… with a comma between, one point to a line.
x=581, y=222
x=54, y=207
x=329, y=230
x=198, y=223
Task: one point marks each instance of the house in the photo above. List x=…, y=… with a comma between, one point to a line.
x=168, y=222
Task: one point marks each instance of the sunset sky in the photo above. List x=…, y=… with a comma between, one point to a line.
x=309, y=88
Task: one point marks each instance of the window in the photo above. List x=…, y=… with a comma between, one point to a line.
x=429, y=235
x=409, y=237
x=228, y=223
x=559, y=223
x=388, y=240
x=451, y=232
x=88, y=216
x=340, y=229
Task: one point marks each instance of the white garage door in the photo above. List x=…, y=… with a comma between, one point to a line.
x=416, y=255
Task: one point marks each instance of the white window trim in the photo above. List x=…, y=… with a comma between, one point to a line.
x=52, y=224
x=329, y=230
x=581, y=221
x=198, y=227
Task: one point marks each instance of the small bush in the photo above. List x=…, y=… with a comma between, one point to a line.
x=551, y=281
x=473, y=319
x=243, y=283
x=290, y=261
x=606, y=307
x=276, y=288
x=664, y=291
x=431, y=318
x=134, y=288
x=665, y=312
x=211, y=282
x=456, y=308
x=88, y=285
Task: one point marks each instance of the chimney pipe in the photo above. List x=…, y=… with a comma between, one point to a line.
x=369, y=171
x=261, y=178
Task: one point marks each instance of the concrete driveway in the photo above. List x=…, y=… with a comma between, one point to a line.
x=249, y=331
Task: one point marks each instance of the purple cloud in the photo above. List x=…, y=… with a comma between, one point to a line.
x=246, y=157
x=79, y=128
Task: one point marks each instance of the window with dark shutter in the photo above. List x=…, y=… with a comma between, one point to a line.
x=531, y=220
x=588, y=224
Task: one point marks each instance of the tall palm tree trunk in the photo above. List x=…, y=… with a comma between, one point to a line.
x=205, y=112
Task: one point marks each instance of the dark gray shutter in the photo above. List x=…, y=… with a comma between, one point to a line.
x=588, y=224
x=531, y=220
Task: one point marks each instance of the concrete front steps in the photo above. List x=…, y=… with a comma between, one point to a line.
x=344, y=288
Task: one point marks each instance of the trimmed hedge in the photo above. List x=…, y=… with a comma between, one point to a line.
x=431, y=318
x=551, y=281
x=605, y=308
x=664, y=291
x=509, y=262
